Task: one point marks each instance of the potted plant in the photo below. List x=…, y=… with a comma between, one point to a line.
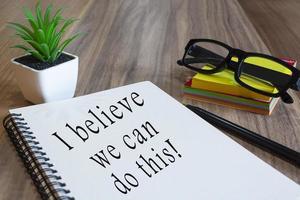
x=45, y=73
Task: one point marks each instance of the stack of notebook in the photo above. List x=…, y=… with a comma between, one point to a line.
x=222, y=89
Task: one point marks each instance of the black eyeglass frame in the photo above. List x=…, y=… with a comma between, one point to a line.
x=294, y=82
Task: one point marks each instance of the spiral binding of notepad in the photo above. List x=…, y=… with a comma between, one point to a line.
x=46, y=179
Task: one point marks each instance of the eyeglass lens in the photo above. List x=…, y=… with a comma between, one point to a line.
x=264, y=74
x=205, y=55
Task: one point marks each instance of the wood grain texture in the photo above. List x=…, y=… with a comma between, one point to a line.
x=129, y=41
x=278, y=24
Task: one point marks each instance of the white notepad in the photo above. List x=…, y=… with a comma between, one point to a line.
x=137, y=143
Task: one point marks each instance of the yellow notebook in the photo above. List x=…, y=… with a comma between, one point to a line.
x=224, y=82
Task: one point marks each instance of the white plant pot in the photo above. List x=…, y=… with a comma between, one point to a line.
x=51, y=84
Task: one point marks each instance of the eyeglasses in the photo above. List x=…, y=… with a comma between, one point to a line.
x=260, y=73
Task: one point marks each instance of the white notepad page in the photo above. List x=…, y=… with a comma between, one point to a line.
x=190, y=158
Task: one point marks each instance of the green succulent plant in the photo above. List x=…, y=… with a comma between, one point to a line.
x=44, y=35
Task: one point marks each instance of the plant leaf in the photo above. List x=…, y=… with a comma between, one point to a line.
x=41, y=36
x=65, y=43
x=57, y=16
x=33, y=52
x=24, y=37
x=19, y=46
x=20, y=28
x=67, y=23
x=54, y=43
x=47, y=15
x=36, y=46
x=38, y=13
x=37, y=55
x=53, y=55
x=29, y=16
x=51, y=32
x=46, y=51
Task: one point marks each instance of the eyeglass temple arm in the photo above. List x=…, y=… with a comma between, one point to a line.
x=296, y=86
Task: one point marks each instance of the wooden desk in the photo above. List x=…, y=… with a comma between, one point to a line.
x=130, y=41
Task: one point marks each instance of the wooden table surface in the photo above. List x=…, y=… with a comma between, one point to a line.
x=129, y=41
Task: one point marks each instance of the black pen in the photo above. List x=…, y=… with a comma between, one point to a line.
x=273, y=147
